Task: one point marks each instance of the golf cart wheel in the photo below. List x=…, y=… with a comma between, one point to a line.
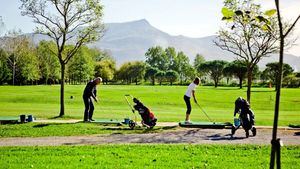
x=131, y=124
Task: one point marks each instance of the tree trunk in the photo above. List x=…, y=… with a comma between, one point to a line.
x=241, y=82
x=249, y=84
x=62, y=88
x=153, y=81
x=14, y=73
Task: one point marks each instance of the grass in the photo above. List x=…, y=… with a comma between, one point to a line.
x=72, y=129
x=147, y=156
x=165, y=101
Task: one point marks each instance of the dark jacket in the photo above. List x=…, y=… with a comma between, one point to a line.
x=90, y=90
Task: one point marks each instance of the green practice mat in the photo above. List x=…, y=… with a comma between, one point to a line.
x=6, y=120
x=208, y=125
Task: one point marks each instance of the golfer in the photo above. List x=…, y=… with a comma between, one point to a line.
x=187, y=98
x=90, y=92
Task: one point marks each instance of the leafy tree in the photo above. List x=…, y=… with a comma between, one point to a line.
x=106, y=69
x=131, y=71
x=66, y=21
x=156, y=57
x=137, y=71
x=49, y=65
x=160, y=76
x=150, y=74
x=183, y=66
x=81, y=66
x=172, y=76
x=171, y=58
x=238, y=69
x=29, y=68
x=16, y=46
x=272, y=71
x=5, y=73
x=214, y=69
x=199, y=59
x=249, y=34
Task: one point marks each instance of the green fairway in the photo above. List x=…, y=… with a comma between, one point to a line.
x=72, y=129
x=146, y=156
x=165, y=101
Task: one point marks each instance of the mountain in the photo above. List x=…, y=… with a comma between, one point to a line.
x=129, y=41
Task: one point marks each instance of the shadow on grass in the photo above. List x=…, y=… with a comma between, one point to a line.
x=61, y=117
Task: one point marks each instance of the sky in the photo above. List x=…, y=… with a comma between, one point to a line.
x=192, y=18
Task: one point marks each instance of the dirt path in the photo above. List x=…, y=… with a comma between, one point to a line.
x=193, y=136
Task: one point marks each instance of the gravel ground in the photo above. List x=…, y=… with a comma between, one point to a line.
x=182, y=135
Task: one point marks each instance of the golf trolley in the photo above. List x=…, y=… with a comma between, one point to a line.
x=148, y=119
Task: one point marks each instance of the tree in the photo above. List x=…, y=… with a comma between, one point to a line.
x=283, y=33
x=137, y=71
x=238, y=69
x=171, y=58
x=272, y=71
x=160, y=76
x=172, y=76
x=156, y=57
x=214, y=69
x=66, y=21
x=5, y=73
x=150, y=74
x=49, y=65
x=16, y=46
x=29, y=65
x=249, y=34
x=81, y=67
x=199, y=59
x=106, y=69
x=183, y=67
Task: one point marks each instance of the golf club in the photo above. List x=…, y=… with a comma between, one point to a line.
x=205, y=113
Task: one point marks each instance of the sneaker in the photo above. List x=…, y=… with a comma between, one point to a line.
x=86, y=121
x=92, y=120
x=253, y=131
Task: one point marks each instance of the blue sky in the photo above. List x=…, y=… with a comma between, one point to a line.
x=193, y=18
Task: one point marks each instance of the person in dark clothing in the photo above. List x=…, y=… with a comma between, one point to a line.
x=89, y=93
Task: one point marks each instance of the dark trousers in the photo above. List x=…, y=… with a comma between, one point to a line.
x=188, y=104
x=89, y=108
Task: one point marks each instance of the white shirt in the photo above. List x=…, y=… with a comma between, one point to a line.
x=191, y=87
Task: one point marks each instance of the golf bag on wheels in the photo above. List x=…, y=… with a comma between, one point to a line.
x=246, y=117
x=147, y=116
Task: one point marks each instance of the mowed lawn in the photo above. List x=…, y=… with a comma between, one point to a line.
x=165, y=101
x=147, y=156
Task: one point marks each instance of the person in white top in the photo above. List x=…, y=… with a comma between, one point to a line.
x=190, y=92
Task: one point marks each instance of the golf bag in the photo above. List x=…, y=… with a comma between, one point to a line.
x=246, y=116
x=147, y=116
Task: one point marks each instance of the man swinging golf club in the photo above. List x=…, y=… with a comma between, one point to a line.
x=190, y=92
x=90, y=92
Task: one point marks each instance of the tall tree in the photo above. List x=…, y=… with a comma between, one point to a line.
x=160, y=76
x=183, y=67
x=66, y=22
x=214, y=69
x=272, y=71
x=106, y=69
x=249, y=34
x=150, y=74
x=5, y=73
x=49, y=65
x=156, y=57
x=81, y=66
x=283, y=33
x=16, y=45
x=137, y=71
x=172, y=76
x=238, y=69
